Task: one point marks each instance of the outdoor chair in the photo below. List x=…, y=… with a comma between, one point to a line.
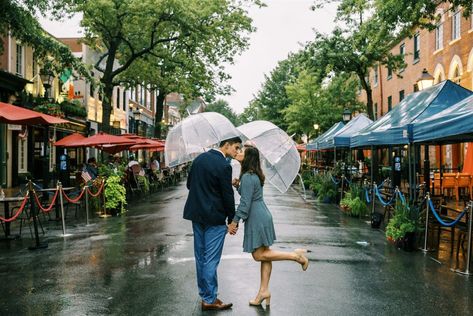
x=463, y=185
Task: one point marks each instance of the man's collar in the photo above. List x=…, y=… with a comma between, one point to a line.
x=218, y=149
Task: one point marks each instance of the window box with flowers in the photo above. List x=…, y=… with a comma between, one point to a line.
x=53, y=109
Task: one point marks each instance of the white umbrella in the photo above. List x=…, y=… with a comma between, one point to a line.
x=280, y=158
x=195, y=134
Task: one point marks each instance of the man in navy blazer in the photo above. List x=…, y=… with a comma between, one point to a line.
x=210, y=206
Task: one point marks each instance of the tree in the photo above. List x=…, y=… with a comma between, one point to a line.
x=272, y=99
x=222, y=107
x=408, y=14
x=364, y=44
x=314, y=102
x=126, y=31
x=18, y=19
x=250, y=113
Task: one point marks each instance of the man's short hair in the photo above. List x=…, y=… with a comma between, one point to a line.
x=230, y=141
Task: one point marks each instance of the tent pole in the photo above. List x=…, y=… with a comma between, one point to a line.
x=410, y=171
x=414, y=173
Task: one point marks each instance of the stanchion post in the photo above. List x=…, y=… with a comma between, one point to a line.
x=468, y=256
x=427, y=205
x=372, y=197
x=86, y=188
x=341, y=190
x=38, y=244
x=59, y=187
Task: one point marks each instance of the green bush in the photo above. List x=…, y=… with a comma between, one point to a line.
x=327, y=190
x=400, y=223
x=115, y=193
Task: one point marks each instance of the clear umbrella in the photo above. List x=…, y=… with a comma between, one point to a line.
x=280, y=158
x=195, y=134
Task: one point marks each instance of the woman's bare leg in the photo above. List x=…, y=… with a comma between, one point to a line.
x=266, y=254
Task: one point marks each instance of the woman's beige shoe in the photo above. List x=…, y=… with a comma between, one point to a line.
x=260, y=298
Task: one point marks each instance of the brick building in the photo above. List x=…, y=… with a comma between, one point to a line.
x=445, y=52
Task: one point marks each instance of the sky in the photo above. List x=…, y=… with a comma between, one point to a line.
x=282, y=27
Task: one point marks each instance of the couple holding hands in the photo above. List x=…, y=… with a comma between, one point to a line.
x=210, y=206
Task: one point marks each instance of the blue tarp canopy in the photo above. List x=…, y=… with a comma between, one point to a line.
x=396, y=126
x=454, y=124
x=342, y=137
x=314, y=145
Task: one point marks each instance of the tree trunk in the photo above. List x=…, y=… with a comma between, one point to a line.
x=106, y=105
x=159, y=113
x=107, y=81
x=369, y=96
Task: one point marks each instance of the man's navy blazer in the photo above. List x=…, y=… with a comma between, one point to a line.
x=210, y=200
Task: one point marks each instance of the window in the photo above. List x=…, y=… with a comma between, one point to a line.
x=19, y=60
x=456, y=20
x=124, y=101
x=456, y=76
x=415, y=87
x=390, y=73
x=390, y=103
x=439, y=36
x=416, y=47
x=402, y=51
x=376, y=110
x=401, y=95
x=22, y=154
x=118, y=98
x=375, y=76
x=92, y=86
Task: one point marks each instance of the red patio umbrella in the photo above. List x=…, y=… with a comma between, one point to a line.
x=12, y=114
x=102, y=139
x=66, y=141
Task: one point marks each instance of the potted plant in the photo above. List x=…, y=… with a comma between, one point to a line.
x=115, y=195
x=346, y=202
x=401, y=228
x=327, y=192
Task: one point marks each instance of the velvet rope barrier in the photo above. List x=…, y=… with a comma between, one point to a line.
x=73, y=200
x=441, y=221
x=20, y=210
x=98, y=192
x=50, y=207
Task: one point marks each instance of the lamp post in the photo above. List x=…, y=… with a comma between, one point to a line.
x=346, y=116
x=316, y=128
x=137, y=117
x=426, y=80
x=46, y=78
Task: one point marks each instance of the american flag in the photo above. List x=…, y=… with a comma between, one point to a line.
x=86, y=176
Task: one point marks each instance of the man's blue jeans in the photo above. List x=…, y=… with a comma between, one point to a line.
x=208, y=246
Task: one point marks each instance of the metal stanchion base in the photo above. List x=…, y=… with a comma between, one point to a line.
x=461, y=272
x=105, y=215
x=65, y=235
x=39, y=246
x=426, y=250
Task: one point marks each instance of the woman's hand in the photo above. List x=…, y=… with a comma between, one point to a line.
x=232, y=228
x=236, y=183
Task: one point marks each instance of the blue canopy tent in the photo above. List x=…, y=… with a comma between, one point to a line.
x=454, y=124
x=314, y=145
x=396, y=126
x=342, y=137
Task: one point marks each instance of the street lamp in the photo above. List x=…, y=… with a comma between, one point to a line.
x=316, y=128
x=46, y=78
x=346, y=116
x=137, y=117
x=426, y=80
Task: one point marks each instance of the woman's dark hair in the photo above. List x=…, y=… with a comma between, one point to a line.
x=252, y=164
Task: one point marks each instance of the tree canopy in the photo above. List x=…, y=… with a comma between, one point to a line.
x=222, y=107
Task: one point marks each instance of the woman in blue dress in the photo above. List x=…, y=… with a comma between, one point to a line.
x=259, y=229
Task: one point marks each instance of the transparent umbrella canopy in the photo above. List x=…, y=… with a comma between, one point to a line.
x=196, y=134
x=280, y=158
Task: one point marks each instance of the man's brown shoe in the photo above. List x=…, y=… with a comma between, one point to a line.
x=217, y=305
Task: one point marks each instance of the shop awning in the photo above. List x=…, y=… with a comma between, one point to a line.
x=315, y=145
x=342, y=137
x=12, y=114
x=452, y=125
x=69, y=139
x=396, y=126
x=102, y=139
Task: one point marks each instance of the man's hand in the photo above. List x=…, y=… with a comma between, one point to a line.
x=236, y=182
x=232, y=228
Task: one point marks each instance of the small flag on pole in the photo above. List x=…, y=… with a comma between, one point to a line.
x=86, y=176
